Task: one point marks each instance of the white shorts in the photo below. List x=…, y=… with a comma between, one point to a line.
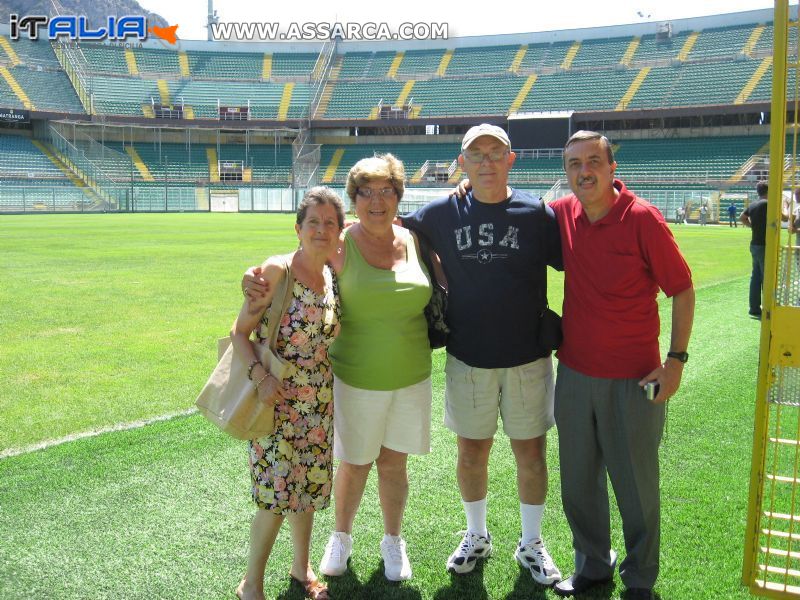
x=365, y=420
x=522, y=395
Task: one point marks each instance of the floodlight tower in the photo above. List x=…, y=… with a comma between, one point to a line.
x=213, y=19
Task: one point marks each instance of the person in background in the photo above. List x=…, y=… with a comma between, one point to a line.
x=732, y=222
x=794, y=222
x=755, y=217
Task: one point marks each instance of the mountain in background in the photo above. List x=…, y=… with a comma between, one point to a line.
x=96, y=10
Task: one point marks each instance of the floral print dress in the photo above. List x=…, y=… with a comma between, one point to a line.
x=292, y=469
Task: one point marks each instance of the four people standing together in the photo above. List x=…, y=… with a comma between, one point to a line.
x=495, y=243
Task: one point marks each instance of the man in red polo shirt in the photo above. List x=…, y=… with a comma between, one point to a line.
x=618, y=252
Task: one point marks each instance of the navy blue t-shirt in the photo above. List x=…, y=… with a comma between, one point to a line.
x=495, y=258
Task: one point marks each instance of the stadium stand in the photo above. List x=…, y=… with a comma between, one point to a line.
x=293, y=65
x=692, y=67
x=7, y=96
x=725, y=41
x=413, y=156
x=48, y=90
x=123, y=96
x=30, y=180
x=566, y=91
x=685, y=160
x=653, y=50
x=21, y=159
x=359, y=99
x=225, y=65
x=541, y=57
x=491, y=59
x=420, y=62
x=466, y=96
x=625, y=74
x=31, y=53
x=105, y=59
x=366, y=65
x=601, y=53
x=157, y=62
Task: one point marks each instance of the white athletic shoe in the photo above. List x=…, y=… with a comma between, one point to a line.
x=471, y=548
x=395, y=560
x=337, y=554
x=535, y=557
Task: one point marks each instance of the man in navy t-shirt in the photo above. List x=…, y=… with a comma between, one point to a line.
x=495, y=246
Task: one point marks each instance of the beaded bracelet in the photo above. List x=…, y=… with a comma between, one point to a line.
x=250, y=369
x=260, y=381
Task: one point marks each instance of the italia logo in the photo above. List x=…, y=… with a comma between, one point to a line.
x=77, y=28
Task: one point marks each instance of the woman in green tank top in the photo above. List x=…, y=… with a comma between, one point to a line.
x=381, y=362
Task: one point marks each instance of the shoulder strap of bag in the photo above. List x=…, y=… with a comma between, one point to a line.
x=280, y=302
x=434, y=268
x=543, y=303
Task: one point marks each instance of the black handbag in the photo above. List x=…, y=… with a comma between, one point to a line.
x=436, y=309
x=550, y=335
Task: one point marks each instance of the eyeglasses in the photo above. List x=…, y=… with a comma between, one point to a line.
x=368, y=193
x=478, y=157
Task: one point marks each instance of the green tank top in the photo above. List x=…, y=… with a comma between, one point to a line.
x=383, y=343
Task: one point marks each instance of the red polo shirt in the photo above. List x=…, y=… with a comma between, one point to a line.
x=613, y=269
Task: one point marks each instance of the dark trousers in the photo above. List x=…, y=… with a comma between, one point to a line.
x=756, y=278
x=607, y=426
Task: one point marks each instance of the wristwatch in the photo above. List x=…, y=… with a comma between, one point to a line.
x=681, y=356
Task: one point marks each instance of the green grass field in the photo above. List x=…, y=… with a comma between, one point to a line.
x=108, y=319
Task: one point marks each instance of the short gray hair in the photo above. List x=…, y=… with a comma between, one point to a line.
x=585, y=136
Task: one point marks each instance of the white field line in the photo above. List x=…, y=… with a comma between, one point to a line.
x=93, y=433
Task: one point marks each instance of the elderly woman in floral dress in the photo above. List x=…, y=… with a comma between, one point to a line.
x=292, y=469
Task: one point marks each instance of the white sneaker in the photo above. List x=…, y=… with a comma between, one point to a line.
x=471, y=548
x=337, y=554
x=395, y=560
x=535, y=557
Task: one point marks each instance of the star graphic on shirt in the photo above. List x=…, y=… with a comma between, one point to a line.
x=485, y=256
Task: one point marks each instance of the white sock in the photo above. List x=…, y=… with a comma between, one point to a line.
x=392, y=539
x=476, y=516
x=531, y=521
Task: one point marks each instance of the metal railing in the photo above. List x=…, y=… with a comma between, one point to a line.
x=86, y=169
x=76, y=66
x=320, y=73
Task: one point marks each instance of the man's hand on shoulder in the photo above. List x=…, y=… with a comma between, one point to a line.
x=462, y=189
x=255, y=284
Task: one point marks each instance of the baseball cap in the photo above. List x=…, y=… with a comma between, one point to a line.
x=485, y=129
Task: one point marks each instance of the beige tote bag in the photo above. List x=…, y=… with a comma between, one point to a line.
x=229, y=399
